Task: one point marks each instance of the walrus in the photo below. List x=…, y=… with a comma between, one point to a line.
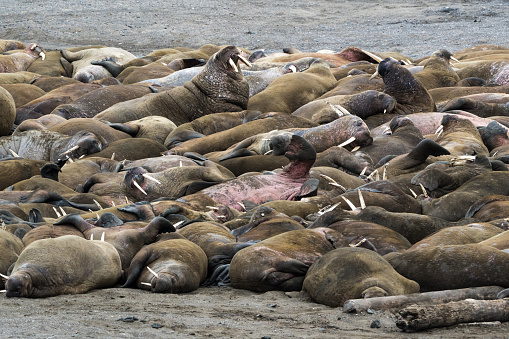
x=281, y=262
x=23, y=93
x=361, y=104
x=437, y=71
x=461, y=137
x=291, y=184
x=448, y=267
x=176, y=266
x=410, y=94
x=19, y=61
x=65, y=265
x=220, y=87
x=10, y=248
x=352, y=273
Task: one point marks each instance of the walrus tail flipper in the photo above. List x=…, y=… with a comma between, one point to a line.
x=308, y=189
x=130, y=129
x=68, y=68
x=238, y=153
x=425, y=148
x=50, y=171
x=111, y=66
x=75, y=220
x=476, y=206
x=432, y=179
x=35, y=216
x=139, y=261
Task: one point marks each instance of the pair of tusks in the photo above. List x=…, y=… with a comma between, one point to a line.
x=347, y=142
x=146, y=176
x=328, y=208
x=375, y=172
x=154, y=273
x=242, y=205
x=42, y=54
x=70, y=150
x=338, y=109
x=216, y=210
x=439, y=131
x=59, y=214
x=423, y=192
x=361, y=201
x=333, y=182
x=241, y=58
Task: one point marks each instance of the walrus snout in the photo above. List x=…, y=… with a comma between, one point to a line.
x=165, y=283
x=14, y=286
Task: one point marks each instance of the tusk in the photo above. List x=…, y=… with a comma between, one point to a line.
x=374, y=75
x=333, y=182
x=408, y=61
x=56, y=212
x=177, y=224
x=439, y=129
x=413, y=193
x=385, y=110
x=292, y=68
x=241, y=205
x=97, y=215
x=138, y=187
x=14, y=153
x=4, y=276
x=42, y=55
x=70, y=160
x=372, y=56
x=245, y=61
x=71, y=149
x=372, y=174
x=352, y=206
x=102, y=237
x=384, y=174
x=147, y=284
x=361, y=200
x=405, y=62
x=349, y=141
x=127, y=201
x=180, y=163
x=454, y=59
x=98, y=205
x=359, y=243
x=113, y=203
x=268, y=152
x=213, y=208
x=329, y=208
x=113, y=156
x=62, y=210
x=386, y=129
x=152, y=271
x=377, y=177
x=364, y=170
x=356, y=148
x=147, y=176
x=424, y=191
x=92, y=236
x=232, y=63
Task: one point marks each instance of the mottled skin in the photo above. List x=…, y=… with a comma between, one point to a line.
x=281, y=262
x=42, y=271
x=453, y=266
x=290, y=184
x=20, y=60
x=218, y=88
x=180, y=265
x=410, y=94
x=354, y=273
x=125, y=239
x=45, y=145
x=362, y=104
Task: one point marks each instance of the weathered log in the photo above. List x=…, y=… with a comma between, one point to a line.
x=417, y=318
x=397, y=301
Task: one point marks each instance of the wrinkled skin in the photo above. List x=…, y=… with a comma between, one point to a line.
x=42, y=271
x=218, y=88
x=51, y=146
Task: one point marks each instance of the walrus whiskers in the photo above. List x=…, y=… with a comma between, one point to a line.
x=347, y=142
x=352, y=206
x=139, y=187
x=147, y=176
x=153, y=272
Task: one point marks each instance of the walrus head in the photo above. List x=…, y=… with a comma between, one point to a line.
x=19, y=284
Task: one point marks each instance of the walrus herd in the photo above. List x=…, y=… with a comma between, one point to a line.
x=347, y=175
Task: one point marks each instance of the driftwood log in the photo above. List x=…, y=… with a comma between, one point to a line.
x=417, y=318
x=398, y=301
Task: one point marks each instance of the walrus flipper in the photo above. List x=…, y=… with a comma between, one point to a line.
x=136, y=267
x=308, y=189
x=432, y=179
